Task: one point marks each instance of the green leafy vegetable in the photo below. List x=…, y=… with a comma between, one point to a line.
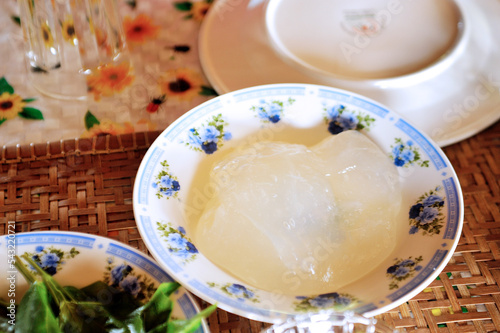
x=98, y=307
x=191, y=324
x=157, y=310
x=118, y=303
x=36, y=315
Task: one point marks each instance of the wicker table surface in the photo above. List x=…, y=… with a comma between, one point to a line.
x=86, y=185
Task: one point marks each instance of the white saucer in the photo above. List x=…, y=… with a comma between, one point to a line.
x=451, y=102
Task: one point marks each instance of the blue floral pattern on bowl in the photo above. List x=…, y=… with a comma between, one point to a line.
x=271, y=111
x=406, y=153
x=426, y=214
x=238, y=291
x=165, y=183
x=123, y=277
x=339, y=119
x=51, y=259
x=209, y=137
x=402, y=270
x=178, y=244
x=335, y=301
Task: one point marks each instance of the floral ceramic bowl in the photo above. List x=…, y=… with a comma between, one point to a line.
x=78, y=259
x=432, y=207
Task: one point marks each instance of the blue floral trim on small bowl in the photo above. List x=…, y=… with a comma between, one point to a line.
x=209, y=137
x=124, y=278
x=426, y=214
x=179, y=244
x=51, y=259
x=402, y=270
x=340, y=119
x=335, y=301
x=271, y=111
x=406, y=153
x=237, y=291
x=165, y=183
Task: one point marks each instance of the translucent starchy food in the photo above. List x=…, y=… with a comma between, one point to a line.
x=301, y=220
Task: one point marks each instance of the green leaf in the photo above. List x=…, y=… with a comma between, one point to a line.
x=154, y=313
x=34, y=313
x=159, y=308
x=88, y=317
x=16, y=19
x=3, y=120
x=75, y=293
x=208, y=91
x=28, y=100
x=184, y=6
x=5, y=86
x=31, y=113
x=189, y=325
x=90, y=120
x=118, y=303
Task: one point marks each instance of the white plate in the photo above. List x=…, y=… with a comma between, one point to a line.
x=450, y=103
x=170, y=168
x=79, y=259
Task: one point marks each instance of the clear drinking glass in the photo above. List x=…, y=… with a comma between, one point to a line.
x=67, y=40
x=331, y=322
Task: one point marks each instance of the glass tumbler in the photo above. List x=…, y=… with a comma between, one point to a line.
x=69, y=40
x=331, y=322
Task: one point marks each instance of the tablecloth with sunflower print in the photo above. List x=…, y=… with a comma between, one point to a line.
x=164, y=82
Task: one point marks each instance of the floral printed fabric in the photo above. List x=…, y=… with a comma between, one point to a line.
x=162, y=80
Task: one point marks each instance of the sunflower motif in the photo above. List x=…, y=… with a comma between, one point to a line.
x=140, y=28
x=107, y=127
x=109, y=79
x=10, y=105
x=68, y=30
x=48, y=39
x=199, y=10
x=183, y=84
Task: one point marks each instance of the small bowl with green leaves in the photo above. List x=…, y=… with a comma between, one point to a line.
x=55, y=281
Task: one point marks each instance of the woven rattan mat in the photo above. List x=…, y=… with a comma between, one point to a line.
x=86, y=186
